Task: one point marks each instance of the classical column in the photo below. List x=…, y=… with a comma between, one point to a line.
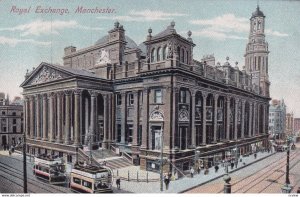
x=145, y=118
x=93, y=112
x=236, y=108
x=243, y=119
x=124, y=115
x=45, y=117
x=193, y=129
x=216, y=96
x=228, y=118
x=264, y=119
x=67, y=116
x=204, y=96
x=77, y=133
x=27, y=117
x=87, y=124
x=258, y=131
x=105, y=118
x=254, y=119
x=136, y=119
x=250, y=120
x=51, y=117
x=109, y=117
x=59, y=117
x=38, y=117
x=31, y=100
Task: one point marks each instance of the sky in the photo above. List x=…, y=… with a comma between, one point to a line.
x=218, y=27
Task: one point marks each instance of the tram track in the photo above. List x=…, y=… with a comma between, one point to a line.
x=14, y=182
x=264, y=171
x=19, y=174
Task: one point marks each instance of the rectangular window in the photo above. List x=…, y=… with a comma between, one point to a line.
x=14, y=129
x=128, y=134
x=4, y=129
x=119, y=128
x=119, y=99
x=87, y=184
x=3, y=112
x=14, y=114
x=182, y=96
x=14, y=121
x=140, y=135
x=131, y=99
x=157, y=96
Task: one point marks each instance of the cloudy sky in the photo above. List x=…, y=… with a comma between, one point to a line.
x=218, y=27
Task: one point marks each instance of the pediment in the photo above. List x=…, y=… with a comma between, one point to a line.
x=44, y=74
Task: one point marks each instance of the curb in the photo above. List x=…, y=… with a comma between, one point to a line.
x=217, y=177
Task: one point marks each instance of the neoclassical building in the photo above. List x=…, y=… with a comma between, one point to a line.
x=124, y=96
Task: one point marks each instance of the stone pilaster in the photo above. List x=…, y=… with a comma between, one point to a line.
x=193, y=129
x=93, y=112
x=51, y=117
x=77, y=133
x=250, y=119
x=123, y=116
x=38, y=117
x=243, y=120
x=45, y=117
x=27, y=117
x=216, y=96
x=236, y=108
x=31, y=114
x=67, y=116
x=228, y=118
x=254, y=119
x=136, y=118
x=175, y=97
x=145, y=128
x=204, y=96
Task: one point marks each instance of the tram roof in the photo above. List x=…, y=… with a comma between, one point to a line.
x=90, y=169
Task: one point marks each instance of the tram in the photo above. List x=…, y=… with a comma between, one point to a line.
x=91, y=179
x=50, y=170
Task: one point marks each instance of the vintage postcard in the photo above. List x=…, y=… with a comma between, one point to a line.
x=149, y=96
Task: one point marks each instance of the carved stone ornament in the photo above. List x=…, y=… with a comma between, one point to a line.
x=170, y=50
x=104, y=57
x=46, y=75
x=183, y=115
x=156, y=115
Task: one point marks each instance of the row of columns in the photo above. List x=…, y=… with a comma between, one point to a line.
x=52, y=116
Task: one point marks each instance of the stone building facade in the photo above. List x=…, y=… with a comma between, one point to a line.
x=11, y=121
x=289, y=124
x=138, y=98
x=277, y=119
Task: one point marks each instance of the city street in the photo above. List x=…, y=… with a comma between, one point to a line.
x=266, y=176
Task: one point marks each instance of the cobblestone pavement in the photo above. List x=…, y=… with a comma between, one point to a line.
x=266, y=176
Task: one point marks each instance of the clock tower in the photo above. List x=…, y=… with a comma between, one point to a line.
x=256, y=56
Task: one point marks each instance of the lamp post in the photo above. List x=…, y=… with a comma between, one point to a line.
x=24, y=164
x=227, y=179
x=286, y=188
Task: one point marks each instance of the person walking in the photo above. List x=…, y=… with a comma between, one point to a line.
x=167, y=181
x=192, y=172
x=198, y=169
x=232, y=165
x=118, y=182
x=216, y=168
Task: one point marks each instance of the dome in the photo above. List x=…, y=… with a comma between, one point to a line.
x=130, y=43
x=257, y=13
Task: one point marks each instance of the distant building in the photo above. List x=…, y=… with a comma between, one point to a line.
x=289, y=124
x=297, y=126
x=277, y=118
x=11, y=121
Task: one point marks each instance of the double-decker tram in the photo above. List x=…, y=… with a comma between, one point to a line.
x=91, y=179
x=50, y=170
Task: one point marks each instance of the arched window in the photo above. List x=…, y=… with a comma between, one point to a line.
x=182, y=55
x=164, y=56
x=153, y=55
x=159, y=54
x=178, y=53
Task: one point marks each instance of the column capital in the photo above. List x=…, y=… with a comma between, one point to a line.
x=51, y=94
x=45, y=96
x=204, y=94
x=37, y=96
x=176, y=89
x=193, y=93
x=77, y=91
x=31, y=97
x=59, y=93
x=67, y=92
x=216, y=96
x=243, y=101
x=123, y=93
x=237, y=100
x=145, y=90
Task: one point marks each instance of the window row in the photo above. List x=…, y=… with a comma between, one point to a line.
x=131, y=100
x=159, y=54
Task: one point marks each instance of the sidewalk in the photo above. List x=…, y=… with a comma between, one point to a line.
x=183, y=184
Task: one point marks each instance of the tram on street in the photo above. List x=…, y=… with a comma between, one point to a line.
x=91, y=179
x=50, y=170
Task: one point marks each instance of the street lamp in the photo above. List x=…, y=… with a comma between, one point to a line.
x=161, y=160
x=286, y=188
x=24, y=164
x=227, y=179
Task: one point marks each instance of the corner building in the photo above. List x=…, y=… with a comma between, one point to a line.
x=125, y=95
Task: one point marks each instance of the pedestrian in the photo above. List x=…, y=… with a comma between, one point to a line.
x=255, y=155
x=198, y=169
x=118, y=182
x=9, y=152
x=216, y=168
x=232, y=165
x=167, y=181
x=192, y=172
x=206, y=170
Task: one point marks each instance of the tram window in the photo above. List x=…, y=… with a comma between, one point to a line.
x=77, y=180
x=87, y=184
